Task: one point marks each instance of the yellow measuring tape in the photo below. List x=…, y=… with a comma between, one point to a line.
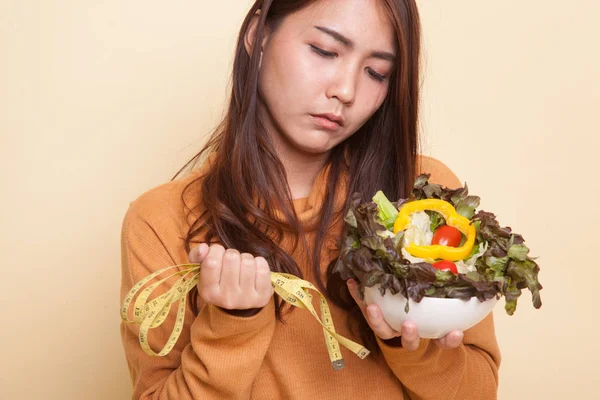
x=152, y=313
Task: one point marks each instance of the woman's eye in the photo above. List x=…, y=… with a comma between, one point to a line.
x=322, y=52
x=377, y=76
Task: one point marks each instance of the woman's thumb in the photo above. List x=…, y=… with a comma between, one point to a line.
x=197, y=254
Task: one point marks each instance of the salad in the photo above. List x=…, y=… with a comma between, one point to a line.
x=435, y=244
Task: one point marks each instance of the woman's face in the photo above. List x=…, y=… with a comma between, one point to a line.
x=324, y=72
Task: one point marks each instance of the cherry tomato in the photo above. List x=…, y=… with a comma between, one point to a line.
x=445, y=265
x=447, y=236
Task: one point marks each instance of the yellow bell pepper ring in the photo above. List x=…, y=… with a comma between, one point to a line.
x=452, y=219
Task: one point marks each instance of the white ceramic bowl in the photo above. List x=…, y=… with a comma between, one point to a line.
x=434, y=317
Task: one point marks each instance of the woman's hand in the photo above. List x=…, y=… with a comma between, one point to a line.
x=231, y=280
x=409, y=335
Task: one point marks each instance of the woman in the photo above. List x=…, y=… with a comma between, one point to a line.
x=324, y=103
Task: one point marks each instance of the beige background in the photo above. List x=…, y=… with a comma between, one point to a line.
x=100, y=101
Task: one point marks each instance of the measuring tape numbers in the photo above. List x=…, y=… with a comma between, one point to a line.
x=151, y=313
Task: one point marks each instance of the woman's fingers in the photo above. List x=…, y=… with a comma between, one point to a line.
x=410, y=336
x=230, y=273
x=372, y=314
x=377, y=323
x=210, y=274
x=248, y=273
x=231, y=280
x=262, y=283
x=198, y=253
x=451, y=340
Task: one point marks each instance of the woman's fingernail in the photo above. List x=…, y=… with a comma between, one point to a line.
x=409, y=330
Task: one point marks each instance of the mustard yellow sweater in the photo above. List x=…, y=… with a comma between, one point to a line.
x=220, y=356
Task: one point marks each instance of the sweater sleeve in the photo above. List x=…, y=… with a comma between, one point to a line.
x=469, y=371
x=217, y=355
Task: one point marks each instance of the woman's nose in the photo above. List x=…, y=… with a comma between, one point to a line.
x=343, y=86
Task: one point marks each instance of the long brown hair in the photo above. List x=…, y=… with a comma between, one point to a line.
x=247, y=182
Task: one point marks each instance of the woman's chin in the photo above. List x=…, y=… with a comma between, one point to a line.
x=316, y=143
x=315, y=150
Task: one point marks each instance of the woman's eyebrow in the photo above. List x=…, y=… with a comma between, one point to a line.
x=384, y=55
x=337, y=36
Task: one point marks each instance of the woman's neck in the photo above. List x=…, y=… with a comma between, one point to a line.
x=301, y=168
x=301, y=173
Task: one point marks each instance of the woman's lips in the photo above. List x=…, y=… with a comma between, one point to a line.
x=325, y=122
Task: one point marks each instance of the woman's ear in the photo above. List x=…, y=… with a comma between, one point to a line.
x=250, y=37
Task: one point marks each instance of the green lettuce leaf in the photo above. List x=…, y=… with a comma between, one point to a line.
x=436, y=218
x=386, y=211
